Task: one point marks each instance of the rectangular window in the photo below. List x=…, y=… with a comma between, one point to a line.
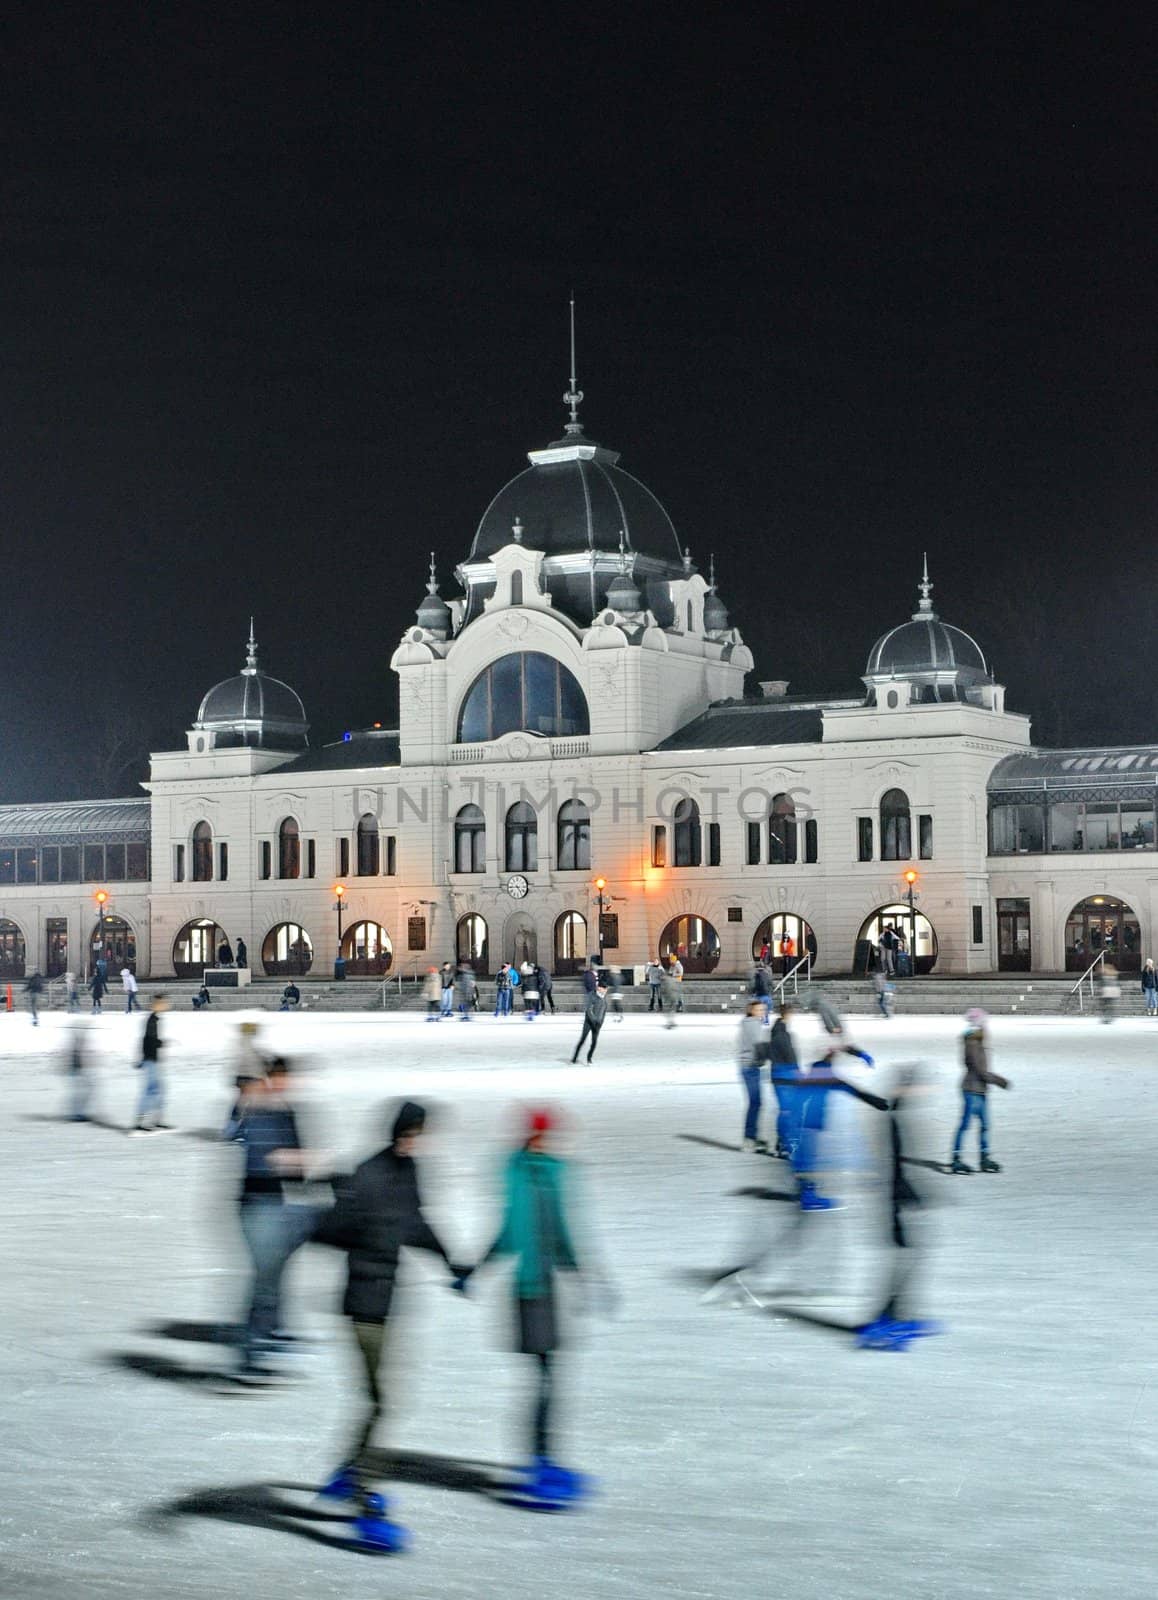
x=978, y=929
x=713, y=844
x=864, y=838
x=94, y=863
x=70, y=863
x=50, y=863
x=735, y=913
x=26, y=865
x=266, y=858
x=659, y=845
x=1101, y=832
x=609, y=930
x=56, y=946
x=925, y=833
x=137, y=863
x=223, y=861
x=343, y=858
x=1137, y=825
x=7, y=865
x=178, y=863
x=752, y=852
x=811, y=843
x=416, y=933
x=311, y=858
x=391, y=855
x=1065, y=826
x=1016, y=830
x=115, y=862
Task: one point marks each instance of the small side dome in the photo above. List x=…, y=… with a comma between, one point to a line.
x=434, y=613
x=254, y=709
x=716, y=618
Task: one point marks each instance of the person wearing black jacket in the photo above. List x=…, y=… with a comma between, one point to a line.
x=377, y=1213
x=594, y=1015
x=546, y=984
x=152, y=1092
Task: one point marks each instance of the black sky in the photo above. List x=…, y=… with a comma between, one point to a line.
x=284, y=303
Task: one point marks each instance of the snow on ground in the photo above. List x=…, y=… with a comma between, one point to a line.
x=739, y=1452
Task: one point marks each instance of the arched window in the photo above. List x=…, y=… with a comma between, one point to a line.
x=470, y=840
x=195, y=947
x=693, y=942
x=1103, y=925
x=570, y=943
x=691, y=618
x=522, y=852
x=287, y=951
x=471, y=942
x=527, y=691
x=782, y=830
x=912, y=933
x=11, y=950
x=574, y=830
x=689, y=847
x=202, y=853
x=366, y=950
x=782, y=940
x=289, y=850
x=516, y=588
x=896, y=826
x=368, y=857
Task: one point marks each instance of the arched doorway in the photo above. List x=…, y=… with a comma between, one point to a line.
x=287, y=951
x=367, y=951
x=773, y=932
x=570, y=943
x=11, y=950
x=472, y=942
x=1102, y=923
x=896, y=916
x=115, y=941
x=693, y=940
x=196, y=946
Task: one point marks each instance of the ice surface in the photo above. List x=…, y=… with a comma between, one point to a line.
x=739, y=1452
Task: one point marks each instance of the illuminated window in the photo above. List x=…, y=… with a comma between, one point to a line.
x=527, y=692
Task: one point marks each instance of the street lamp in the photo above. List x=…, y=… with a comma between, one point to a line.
x=101, y=897
x=911, y=879
x=339, y=907
x=600, y=886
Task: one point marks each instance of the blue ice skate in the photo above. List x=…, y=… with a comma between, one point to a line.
x=546, y=1486
x=883, y=1334
x=907, y=1331
x=375, y=1533
x=811, y=1201
x=342, y=1486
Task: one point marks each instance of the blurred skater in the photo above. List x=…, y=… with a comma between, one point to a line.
x=250, y=1071
x=669, y=996
x=1109, y=991
x=753, y=1053
x=546, y=984
x=531, y=994
x=615, y=991
x=884, y=994
x=432, y=994
x=783, y=1067
x=71, y=993
x=151, y=1105
x=594, y=1016
x=974, y=1091
x=129, y=984
x=34, y=988
x=653, y=976
x=377, y=1213
x=465, y=989
x=536, y=1231
x=80, y=1075
x=446, y=978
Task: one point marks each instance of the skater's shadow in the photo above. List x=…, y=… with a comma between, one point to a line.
x=287, y=1507
x=754, y=1192
x=930, y=1166
x=196, y=1332
x=163, y=1370
x=714, y=1144
x=64, y=1116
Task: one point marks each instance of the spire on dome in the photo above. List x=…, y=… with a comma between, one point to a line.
x=712, y=572
x=925, y=605
x=432, y=581
x=687, y=561
x=517, y=529
x=250, y=667
x=574, y=396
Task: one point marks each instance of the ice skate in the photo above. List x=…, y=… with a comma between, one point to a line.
x=989, y=1165
x=811, y=1201
x=374, y=1532
x=342, y=1486
x=545, y=1486
x=882, y=1334
x=957, y=1165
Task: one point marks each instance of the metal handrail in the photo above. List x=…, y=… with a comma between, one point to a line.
x=778, y=989
x=1088, y=973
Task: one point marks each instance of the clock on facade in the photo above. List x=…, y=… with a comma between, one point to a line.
x=517, y=886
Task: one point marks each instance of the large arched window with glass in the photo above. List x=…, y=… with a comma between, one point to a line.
x=527, y=692
x=368, y=849
x=289, y=850
x=689, y=843
x=782, y=831
x=574, y=829
x=11, y=950
x=896, y=826
x=287, y=951
x=196, y=946
x=470, y=840
x=202, y=842
x=367, y=950
x=522, y=838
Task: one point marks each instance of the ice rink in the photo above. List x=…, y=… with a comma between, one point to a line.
x=739, y=1451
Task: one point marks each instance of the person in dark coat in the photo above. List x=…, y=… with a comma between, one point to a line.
x=974, y=1091
x=591, y=976
x=377, y=1213
x=242, y=954
x=34, y=988
x=98, y=988
x=224, y=954
x=546, y=983
x=594, y=1015
x=152, y=1102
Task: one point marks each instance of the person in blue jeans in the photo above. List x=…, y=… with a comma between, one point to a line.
x=753, y=1050
x=974, y=1087
x=152, y=1101
x=503, y=991
x=1150, y=988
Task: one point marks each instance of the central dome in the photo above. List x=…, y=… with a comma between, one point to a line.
x=573, y=498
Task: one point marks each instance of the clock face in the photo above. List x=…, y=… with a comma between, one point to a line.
x=517, y=886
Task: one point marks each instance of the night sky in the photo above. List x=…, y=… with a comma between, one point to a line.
x=284, y=304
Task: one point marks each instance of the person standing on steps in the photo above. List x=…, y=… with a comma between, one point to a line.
x=594, y=1015
x=129, y=984
x=889, y=951
x=1150, y=988
x=546, y=984
x=376, y=1215
x=242, y=954
x=974, y=1090
x=654, y=976
x=753, y=1053
x=98, y=988
x=152, y=1102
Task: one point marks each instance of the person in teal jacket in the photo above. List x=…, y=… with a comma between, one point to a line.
x=536, y=1233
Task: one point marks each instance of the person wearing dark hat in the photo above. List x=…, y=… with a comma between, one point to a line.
x=377, y=1213
x=536, y=1232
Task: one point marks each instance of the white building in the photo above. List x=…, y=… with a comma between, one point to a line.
x=579, y=713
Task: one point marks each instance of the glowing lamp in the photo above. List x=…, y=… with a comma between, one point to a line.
x=910, y=877
x=601, y=884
